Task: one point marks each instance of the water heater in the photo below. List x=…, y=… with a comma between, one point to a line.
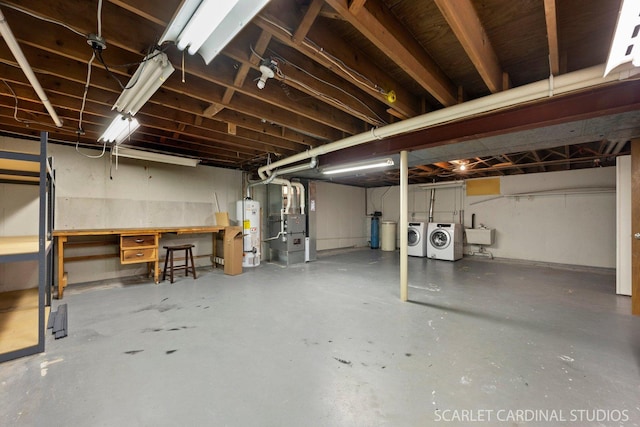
x=248, y=216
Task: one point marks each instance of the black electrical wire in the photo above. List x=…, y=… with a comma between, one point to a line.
x=108, y=67
x=98, y=53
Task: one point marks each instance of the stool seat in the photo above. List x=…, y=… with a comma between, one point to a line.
x=188, y=257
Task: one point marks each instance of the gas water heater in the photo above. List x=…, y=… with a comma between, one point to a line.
x=248, y=216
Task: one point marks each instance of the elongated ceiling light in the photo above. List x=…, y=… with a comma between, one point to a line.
x=154, y=157
x=152, y=72
x=207, y=26
x=626, y=39
x=120, y=129
x=353, y=167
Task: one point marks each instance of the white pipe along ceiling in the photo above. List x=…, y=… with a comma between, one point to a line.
x=15, y=49
x=553, y=86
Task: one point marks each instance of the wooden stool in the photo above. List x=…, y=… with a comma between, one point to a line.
x=168, y=261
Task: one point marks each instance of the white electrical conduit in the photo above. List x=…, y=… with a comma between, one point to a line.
x=11, y=41
x=588, y=77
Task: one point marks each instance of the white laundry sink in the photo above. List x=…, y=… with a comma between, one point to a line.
x=480, y=236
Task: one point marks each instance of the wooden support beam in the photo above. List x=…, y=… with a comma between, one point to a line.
x=444, y=165
x=260, y=47
x=425, y=168
x=307, y=21
x=355, y=6
x=325, y=46
x=552, y=36
x=465, y=23
x=539, y=160
x=241, y=75
x=506, y=81
x=397, y=114
x=635, y=227
x=382, y=28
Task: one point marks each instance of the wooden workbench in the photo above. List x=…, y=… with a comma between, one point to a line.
x=136, y=245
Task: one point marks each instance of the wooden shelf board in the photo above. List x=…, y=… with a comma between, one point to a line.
x=19, y=319
x=11, y=245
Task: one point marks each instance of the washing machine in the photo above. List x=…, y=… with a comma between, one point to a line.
x=444, y=241
x=417, y=239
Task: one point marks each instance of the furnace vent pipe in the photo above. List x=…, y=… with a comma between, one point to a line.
x=301, y=196
x=555, y=85
x=432, y=201
x=11, y=41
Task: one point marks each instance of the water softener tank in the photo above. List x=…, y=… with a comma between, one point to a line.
x=375, y=232
x=248, y=216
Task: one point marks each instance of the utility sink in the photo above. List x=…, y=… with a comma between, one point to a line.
x=480, y=236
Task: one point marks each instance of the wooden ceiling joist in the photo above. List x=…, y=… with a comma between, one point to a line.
x=552, y=36
x=324, y=45
x=464, y=21
x=337, y=60
x=307, y=21
x=378, y=24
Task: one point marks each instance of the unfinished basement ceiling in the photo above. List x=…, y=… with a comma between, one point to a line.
x=338, y=62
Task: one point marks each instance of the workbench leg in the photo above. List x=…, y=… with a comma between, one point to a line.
x=156, y=264
x=214, y=241
x=62, y=277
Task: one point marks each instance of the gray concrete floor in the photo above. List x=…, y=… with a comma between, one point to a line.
x=328, y=343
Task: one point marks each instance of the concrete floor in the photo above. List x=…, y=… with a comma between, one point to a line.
x=482, y=342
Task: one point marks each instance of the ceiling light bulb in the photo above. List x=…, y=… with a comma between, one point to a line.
x=267, y=73
x=463, y=167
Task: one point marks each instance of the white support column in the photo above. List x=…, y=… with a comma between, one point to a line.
x=404, y=227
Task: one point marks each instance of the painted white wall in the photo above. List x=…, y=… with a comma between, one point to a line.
x=623, y=226
x=91, y=193
x=565, y=228
x=341, y=214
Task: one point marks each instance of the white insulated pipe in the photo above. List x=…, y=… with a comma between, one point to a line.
x=300, y=188
x=265, y=174
x=577, y=80
x=11, y=41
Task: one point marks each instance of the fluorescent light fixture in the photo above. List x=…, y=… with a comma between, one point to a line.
x=154, y=157
x=120, y=129
x=208, y=16
x=207, y=26
x=152, y=72
x=443, y=184
x=626, y=40
x=352, y=167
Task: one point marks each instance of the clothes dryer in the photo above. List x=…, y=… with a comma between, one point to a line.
x=444, y=241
